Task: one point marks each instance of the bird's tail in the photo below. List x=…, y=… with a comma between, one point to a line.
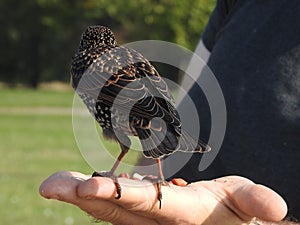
x=187, y=143
x=156, y=143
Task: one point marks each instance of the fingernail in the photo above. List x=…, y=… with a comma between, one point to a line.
x=138, y=176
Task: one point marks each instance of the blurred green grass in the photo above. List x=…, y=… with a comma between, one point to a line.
x=35, y=143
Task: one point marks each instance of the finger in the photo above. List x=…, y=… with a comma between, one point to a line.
x=260, y=201
x=179, y=182
x=133, y=191
x=255, y=200
x=140, y=197
x=125, y=175
x=113, y=213
x=62, y=186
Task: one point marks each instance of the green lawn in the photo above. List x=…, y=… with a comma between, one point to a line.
x=36, y=140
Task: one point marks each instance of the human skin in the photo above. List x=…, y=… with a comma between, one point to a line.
x=233, y=199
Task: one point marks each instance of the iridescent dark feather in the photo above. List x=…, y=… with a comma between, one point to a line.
x=113, y=80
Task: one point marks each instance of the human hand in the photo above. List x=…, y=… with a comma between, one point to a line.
x=227, y=200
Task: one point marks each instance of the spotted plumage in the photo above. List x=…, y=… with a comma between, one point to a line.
x=127, y=96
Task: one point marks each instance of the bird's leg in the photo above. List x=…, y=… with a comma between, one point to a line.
x=159, y=181
x=111, y=173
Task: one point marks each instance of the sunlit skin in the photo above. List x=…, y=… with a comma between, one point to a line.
x=233, y=199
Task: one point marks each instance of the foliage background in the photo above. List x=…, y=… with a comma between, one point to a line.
x=39, y=37
x=37, y=40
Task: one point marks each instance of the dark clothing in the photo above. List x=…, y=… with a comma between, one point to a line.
x=255, y=56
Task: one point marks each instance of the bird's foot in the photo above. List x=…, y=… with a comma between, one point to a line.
x=158, y=182
x=113, y=177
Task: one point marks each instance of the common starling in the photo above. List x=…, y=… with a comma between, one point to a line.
x=112, y=80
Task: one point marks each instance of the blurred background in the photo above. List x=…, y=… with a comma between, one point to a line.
x=37, y=40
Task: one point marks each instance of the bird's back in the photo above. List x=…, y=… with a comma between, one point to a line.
x=126, y=95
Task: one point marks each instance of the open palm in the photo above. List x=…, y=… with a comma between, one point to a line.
x=233, y=199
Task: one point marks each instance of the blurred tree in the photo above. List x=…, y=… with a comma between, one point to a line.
x=39, y=37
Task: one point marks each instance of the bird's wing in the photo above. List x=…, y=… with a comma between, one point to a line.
x=123, y=78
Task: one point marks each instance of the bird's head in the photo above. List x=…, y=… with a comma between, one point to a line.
x=95, y=36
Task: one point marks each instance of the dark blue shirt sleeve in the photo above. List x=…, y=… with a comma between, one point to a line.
x=218, y=19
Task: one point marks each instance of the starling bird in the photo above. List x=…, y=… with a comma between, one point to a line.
x=127, y=97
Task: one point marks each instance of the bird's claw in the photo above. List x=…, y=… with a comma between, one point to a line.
x=114, y=178
x=158, y=182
